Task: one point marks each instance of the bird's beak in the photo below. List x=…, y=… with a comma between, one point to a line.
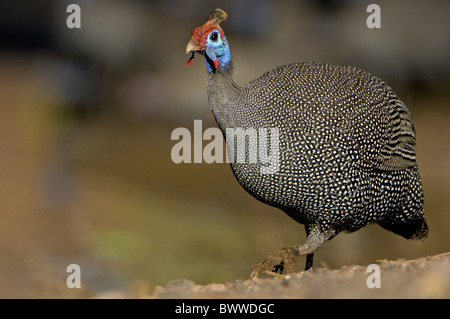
x=192, y=46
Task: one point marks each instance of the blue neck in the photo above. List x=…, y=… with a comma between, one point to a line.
x=222, y=54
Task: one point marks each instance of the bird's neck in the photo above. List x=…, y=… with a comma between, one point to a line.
x=224, y=96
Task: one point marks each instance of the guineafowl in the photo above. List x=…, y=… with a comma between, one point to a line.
x=343, y=140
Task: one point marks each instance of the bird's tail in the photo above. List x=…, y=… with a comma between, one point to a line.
x=410, y=229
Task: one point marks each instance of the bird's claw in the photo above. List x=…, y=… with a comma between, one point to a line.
x=281, y=263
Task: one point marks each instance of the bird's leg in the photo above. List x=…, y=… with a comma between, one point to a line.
x=284, y=261
x=309, y=256
x=309, y=261
x=315, y=239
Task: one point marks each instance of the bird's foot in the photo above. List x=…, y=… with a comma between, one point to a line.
x=280, y=263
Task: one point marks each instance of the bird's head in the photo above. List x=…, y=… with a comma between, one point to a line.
x=209, y=40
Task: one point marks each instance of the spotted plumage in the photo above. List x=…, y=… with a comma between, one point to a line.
x=346, y=143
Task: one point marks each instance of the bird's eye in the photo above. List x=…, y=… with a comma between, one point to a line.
x=214, y=36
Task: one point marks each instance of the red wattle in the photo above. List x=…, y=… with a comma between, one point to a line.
x=190, y=59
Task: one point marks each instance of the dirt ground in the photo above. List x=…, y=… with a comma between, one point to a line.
x=426, y=277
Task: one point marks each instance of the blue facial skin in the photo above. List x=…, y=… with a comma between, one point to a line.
x=217, y=48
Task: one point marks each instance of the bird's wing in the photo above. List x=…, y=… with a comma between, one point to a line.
x=398, y=151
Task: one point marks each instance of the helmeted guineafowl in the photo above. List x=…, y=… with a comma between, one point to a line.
x=345, y=142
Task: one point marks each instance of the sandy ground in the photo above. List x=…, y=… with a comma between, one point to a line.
x=427, y=277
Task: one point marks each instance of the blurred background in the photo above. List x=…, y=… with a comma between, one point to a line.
x=85, y=125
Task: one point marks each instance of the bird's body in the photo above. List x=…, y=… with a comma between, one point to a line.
x=345, y=146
